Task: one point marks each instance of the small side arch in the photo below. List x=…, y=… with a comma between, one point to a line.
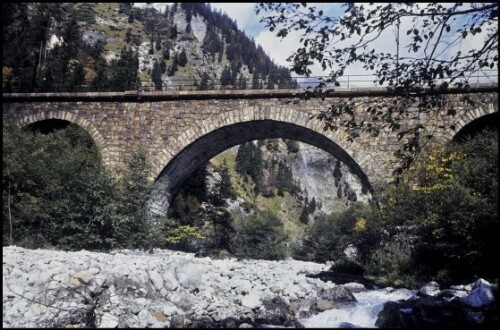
x=471, y=117
x=72, y=118
x=489, y=121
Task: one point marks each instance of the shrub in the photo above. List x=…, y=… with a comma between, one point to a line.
x=262, y=237
x=391, y=266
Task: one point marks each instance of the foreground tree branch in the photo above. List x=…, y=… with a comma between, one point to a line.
x=409, y=48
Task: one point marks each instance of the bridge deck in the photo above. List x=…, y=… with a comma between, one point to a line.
x=135, y=96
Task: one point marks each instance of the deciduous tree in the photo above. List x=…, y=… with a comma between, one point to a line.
x=436, y=46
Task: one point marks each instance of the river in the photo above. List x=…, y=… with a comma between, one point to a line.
x=362, y=314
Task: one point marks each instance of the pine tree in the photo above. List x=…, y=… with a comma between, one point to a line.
x=225, y=77
x=255, y=79
x=166, y=53
x=256, y=169
x=175, y=65
x=124, y=70
x=173, y=31
x=243, y=159
x=183, y=60
x=242, y=83
x=128, y=36
x=158, y=42
x=304, y=215
x=156, y=76
x=163, y=66
x=223, y=230
x=312, y=206
x=101, y=80
x=204, y=82
x=284, y=179
x=224, y=188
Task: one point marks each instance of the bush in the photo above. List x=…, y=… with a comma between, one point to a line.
x=329, y=235
x=391, y=266
x=55, y=190
x=262, y=237
x=452, y=201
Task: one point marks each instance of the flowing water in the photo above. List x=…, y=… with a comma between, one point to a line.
x=362, y=314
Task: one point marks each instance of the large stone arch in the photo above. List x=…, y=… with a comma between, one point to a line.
x=182, y=155
x=72, y=118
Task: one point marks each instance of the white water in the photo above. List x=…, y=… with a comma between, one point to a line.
x=363, y=314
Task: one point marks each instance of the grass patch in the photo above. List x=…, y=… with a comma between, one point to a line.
x=106, y=9
x=230, y=158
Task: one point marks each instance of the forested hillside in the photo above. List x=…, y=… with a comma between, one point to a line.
x=118, y=46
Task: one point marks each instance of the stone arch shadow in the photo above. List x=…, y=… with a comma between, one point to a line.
x=74, y=119
x=207, y=145
x=488, y=121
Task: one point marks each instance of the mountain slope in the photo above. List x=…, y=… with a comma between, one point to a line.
x=118, y=46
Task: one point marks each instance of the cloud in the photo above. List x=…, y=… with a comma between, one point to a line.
x=160, y=6
x=242, y=13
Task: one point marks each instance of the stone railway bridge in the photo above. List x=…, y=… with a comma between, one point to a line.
x=183, y=130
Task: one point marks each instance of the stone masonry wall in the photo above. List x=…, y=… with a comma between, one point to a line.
x=166, y=124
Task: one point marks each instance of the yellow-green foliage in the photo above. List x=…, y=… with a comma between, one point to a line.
x=360, y=225
x=435, y=173
x=182, y=234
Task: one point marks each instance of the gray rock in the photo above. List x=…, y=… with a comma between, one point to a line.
x=83, y=277
x=479, y=297
x=156, y=279
x=245, y=326
x=252, y=300
x=169, y=281
x=323, y=305
x=430, y=289
x=108, y=321
x=338, y=294
x=177, y=321
x=189, y=275
x=181, y=301
x=354, y=287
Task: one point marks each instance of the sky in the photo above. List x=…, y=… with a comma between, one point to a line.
x=277, y=49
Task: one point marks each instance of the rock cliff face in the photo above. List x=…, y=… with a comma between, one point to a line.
x=315, y=170
x=319, y=174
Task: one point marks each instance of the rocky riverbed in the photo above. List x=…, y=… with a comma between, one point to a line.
x=163, y=288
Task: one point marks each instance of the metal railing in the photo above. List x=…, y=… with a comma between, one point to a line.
x=347, y=81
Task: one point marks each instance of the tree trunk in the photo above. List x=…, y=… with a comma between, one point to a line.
x=10, y=215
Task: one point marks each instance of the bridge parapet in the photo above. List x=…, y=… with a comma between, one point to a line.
x=143, y=96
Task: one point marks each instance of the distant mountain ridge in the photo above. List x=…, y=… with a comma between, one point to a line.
x=119, y=46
